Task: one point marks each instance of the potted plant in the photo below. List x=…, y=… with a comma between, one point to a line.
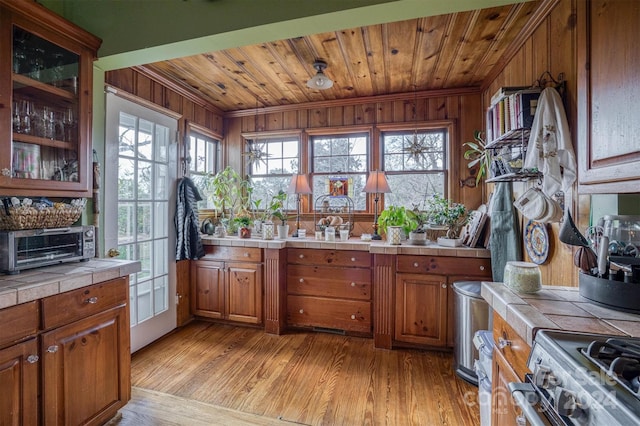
x=452, y=215
x=229, y=191
x=478, y=155
x=243, y=221
x=395, y=222
x=418, y=235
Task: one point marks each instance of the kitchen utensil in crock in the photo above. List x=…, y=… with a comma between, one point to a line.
x=569, y=233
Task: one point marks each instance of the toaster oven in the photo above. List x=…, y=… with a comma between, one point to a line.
x=32, y=248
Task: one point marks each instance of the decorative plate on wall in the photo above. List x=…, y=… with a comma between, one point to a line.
x=536, y=241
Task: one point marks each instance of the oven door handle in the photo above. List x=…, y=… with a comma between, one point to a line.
x=526, y=398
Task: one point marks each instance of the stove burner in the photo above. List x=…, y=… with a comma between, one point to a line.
x=618, y=359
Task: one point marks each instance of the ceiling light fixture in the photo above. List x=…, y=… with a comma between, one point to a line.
x=320, y=81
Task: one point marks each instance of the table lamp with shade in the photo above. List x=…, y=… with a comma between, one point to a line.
x=299, y=185
x=376, y=184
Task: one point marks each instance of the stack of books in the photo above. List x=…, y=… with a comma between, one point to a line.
x=512, y=108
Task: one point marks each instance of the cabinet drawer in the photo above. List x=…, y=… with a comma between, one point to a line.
x=234, y=254
x=510, y=345
x=348, y=283
x=347, y=258
x=350, y=315
x=19, y=322
x=444, y=265
x=65, y=308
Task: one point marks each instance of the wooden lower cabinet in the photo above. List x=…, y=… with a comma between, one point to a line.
x=66, y=359
x=420, y=311
x=329, y=289
x=19, y=370
x=504, y=410
x=86, y=368
x=227, y=290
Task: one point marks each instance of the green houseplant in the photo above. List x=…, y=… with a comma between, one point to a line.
x=452, y=215
x=397, y=216
x=478, y=155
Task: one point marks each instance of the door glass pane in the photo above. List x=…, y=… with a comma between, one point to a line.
x=160, y=253
x=161, y=145
x=145, y=140
x=144, y=180
x=144, y=221
x=161, y=219
x=162, y=181
x=145, y=258
x=126, y=179
x=160, y=294
x=127, y=135
x=144, y=301
x=126, y=224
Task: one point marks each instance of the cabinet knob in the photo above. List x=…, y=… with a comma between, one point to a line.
x=301, y=311
x=443, y=285
x=92, y=300
x=503, y=343
x=353, y=259
x=482, y=267
x=301, y=280
x=246, y=255
x=416, y=264
x=32, y=359
x=52, y=349
x=353, y=317
x=301, y=256
x=353, y=284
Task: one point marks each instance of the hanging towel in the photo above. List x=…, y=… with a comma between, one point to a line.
x=550, y=148
x=504, y=241
x=188, y=242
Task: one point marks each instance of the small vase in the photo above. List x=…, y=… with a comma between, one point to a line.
x=283, y=232
x=394, y=235
x=267, y=231
x=244, y=232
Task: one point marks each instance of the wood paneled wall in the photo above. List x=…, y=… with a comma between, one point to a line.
x=551, y=47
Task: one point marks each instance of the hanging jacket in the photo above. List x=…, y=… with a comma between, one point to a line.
x=504, y=241
x=188, y=242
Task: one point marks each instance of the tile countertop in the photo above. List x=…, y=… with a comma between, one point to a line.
x=554, y=307
x=374, y=247
x=32, y=284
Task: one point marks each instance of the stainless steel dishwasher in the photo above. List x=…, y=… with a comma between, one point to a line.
x=471, y=314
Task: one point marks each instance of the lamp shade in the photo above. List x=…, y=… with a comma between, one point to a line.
x=377, y=183
x=320, y=81
x=299, y=185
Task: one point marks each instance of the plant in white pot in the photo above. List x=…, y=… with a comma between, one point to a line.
x=395, y=221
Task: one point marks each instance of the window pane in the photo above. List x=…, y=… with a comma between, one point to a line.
x=203, y=152
x=410, y=190
x=421, y=150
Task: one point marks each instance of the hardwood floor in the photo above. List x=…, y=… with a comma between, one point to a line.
x=305, y=378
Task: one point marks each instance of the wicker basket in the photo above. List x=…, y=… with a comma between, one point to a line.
x=28, y=217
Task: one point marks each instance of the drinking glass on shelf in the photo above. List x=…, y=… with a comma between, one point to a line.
x=57, y=70
x=36, y=119
x=70, y=125
x=48, y=123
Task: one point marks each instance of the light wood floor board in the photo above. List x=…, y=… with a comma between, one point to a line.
x=306, y=378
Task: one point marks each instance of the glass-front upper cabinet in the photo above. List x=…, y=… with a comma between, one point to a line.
x=48, y=145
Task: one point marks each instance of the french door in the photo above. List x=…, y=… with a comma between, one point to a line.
x=140, y=180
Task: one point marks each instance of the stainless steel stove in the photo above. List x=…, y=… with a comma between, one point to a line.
x=581, y=379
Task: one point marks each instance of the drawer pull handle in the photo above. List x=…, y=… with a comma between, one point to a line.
x=92, y=300
x=353, y=259
x=32, y=359
x=301, y=280
x=353, y=284
x=415, y=264
x=301, y=256
x=52, y=349
x=503, y=343
x=301, y=311
x=482, y=267
x=353, y=317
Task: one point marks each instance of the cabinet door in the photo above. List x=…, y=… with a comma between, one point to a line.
x=504, y=411
x=244, y=292
x=207, y=289
x=608, y=101
x=19, y=384
x=86, y=369
x=49, y=73
x=421, y=306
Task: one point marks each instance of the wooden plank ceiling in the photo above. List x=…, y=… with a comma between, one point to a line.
x=436, y=52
